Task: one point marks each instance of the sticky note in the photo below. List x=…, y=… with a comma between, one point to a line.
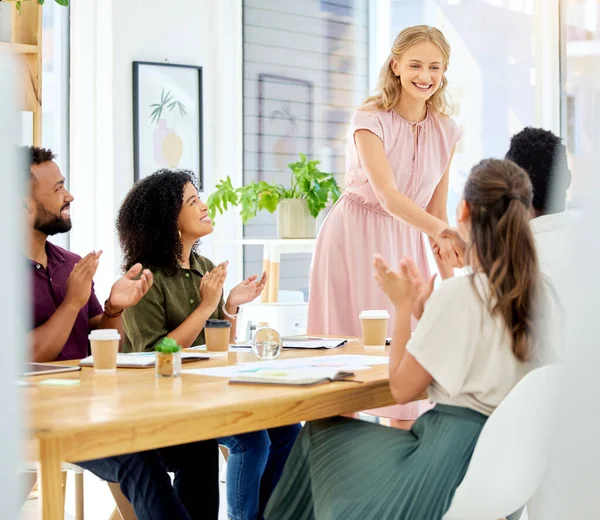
x=59, y=382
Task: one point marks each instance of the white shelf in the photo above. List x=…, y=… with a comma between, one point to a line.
x=18, y=48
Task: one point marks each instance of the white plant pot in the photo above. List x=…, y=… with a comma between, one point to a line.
x=294, y=220
x=6, y=17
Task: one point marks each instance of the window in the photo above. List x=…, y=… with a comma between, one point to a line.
x=581, y=94
x=492, y=73
x=55, y=88
x=305, y=71
x=55, y=80
x=503, y=72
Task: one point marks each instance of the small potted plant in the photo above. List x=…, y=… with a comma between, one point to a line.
x=168, y=358
x=297, y=207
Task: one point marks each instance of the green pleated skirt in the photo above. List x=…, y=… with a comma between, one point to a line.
x=345, y=469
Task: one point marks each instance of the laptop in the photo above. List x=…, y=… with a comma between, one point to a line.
x=41, y=369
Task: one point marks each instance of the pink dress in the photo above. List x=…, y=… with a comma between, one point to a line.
x=341, y=276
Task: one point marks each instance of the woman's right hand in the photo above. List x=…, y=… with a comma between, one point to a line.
x=456, y=242
x=211, y=286
x=446, y=250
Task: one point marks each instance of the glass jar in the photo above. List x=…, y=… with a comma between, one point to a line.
x=266, y=343
x=168, y=358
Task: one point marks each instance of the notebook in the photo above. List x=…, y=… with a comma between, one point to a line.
x=142, y=359
x=292, y=376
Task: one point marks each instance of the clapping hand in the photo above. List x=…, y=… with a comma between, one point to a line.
x=423, y=288
x=127, y=291
x=211, y=286
x=246, y=291
x=79, y=283
x=397, y=286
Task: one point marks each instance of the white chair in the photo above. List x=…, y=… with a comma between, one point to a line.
x=32, y=468
x=511, y=455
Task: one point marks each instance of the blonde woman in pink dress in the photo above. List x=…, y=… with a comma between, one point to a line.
x=400, y=145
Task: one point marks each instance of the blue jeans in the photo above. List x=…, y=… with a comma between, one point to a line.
x=144, y=480
x=254, y=466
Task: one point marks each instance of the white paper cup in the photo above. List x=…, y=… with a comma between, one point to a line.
x=374, y=325
x=105, y=346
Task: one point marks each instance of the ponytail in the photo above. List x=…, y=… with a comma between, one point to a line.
x=499, y=196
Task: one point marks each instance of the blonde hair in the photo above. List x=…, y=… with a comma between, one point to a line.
x=389, y=88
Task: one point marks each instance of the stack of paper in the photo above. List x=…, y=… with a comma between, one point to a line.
x=141, y=359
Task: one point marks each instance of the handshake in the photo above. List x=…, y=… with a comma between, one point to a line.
x=449, y=247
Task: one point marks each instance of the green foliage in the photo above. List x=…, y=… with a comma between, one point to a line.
x=166, y=103
x=167, y=346
x=307, y=182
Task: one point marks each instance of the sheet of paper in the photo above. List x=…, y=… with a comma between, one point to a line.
x=228, y=371
x=308, y=343
x=59, y=382
x=240, y=348
x=343, y=362
x=232, y=348
x=141, y=359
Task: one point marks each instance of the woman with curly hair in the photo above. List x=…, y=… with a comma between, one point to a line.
x=159, y=224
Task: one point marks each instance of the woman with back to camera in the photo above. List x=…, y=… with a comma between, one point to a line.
x=477, y=336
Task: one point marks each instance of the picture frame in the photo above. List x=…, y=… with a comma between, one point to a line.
x=167, y=118
x=285, y=123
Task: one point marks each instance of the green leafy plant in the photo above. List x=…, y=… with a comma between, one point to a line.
x=19, y=3
x=167, y=346
x=307, y=182
x=166, y=103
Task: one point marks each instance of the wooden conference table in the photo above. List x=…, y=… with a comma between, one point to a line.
x=131, y=410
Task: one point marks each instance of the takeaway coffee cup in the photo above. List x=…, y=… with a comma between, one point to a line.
x=105, y=346
x=217, y=333
x=374, y=325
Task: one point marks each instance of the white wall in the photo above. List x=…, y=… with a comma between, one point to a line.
x=14, y=316
x=107, y=36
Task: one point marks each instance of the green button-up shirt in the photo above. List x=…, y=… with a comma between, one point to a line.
x=174, y=295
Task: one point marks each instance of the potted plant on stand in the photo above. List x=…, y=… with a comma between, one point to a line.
x=297, y=206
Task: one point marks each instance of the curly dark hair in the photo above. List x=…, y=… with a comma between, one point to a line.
x=544, y=157
x=34, y=155
x=147, y=219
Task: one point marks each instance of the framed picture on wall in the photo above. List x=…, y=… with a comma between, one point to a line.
x=285, y=123
x=167, y=118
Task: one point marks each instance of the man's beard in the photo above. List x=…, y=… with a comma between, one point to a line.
x=50, y=224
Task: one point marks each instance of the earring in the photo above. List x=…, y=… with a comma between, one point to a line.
x=179, y=231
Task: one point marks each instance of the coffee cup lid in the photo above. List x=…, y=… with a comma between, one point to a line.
x=217, y=324
x=374, y=315
x=105, y=334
